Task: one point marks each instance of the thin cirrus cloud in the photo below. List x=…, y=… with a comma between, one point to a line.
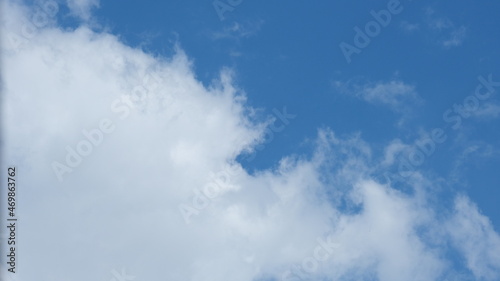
x=409, y=27
x=394, y=94
x=117, y=210
x=237, y=30
x=444, y=32
x=456, y=37
x=488, y=110
x=448, y=33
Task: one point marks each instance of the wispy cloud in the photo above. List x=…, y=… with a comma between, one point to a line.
x=489, y=110
x=441, y=29
x=238, y=30
x=409, y=27
x=456, y=37
x=449, y=34
x=394, y=94
x=82, y=8
x=475, y=237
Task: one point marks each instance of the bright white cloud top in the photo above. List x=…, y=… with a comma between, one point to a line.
x=118, y=149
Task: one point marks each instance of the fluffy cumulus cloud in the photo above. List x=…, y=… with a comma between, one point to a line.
x=127, y=169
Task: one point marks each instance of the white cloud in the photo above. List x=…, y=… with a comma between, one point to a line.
x=392, y=150
x=488, y=110
x=474, y=236
x=409, y=27
x=238, y=30
x=82, y=8
x=119, y=207
x=395, y=94
x=440, y=24
x=449, y=34
x=441, y=29
x=456, y=37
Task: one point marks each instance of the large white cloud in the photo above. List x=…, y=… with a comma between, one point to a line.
x=161, y=148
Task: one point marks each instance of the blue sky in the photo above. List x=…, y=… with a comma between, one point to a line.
x=289, y=55
x=396, y=143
